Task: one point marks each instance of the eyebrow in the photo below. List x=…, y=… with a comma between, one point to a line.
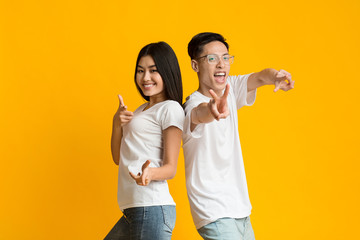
x=217, y=54
x=149, y=66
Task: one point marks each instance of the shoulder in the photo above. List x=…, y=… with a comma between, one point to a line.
x=171, y=104
x=238, y=78
x=170, y=107
x=194, y=100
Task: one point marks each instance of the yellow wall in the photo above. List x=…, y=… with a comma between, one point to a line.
x=62, y=63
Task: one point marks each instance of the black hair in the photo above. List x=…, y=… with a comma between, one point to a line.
x=168, y=67
x=195, y=46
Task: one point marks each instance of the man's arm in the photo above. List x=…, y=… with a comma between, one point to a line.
x=216, y=108
x=269, y=76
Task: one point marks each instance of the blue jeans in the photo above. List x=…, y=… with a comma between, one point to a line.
x=144, y=223
x=228, y=229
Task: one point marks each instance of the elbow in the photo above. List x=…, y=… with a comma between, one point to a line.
x=172, y=175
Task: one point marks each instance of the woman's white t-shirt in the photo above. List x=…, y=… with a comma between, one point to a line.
x=142, y=140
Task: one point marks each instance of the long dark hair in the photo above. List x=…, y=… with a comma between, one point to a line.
x=168, y=67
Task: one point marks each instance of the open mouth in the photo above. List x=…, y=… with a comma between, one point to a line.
x=220, y=77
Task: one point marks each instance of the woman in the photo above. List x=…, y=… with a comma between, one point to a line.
x=146, y=144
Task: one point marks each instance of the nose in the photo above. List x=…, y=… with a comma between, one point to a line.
x=221, y=63
x=146, y=76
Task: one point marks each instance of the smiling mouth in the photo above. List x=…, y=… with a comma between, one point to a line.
x=219, y=74
x=148, y=86
x=220, y=77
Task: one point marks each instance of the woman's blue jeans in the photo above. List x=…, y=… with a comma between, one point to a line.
x=144, y=223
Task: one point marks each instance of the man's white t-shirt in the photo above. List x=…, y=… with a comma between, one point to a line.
x=142, y=140
x=215, y=174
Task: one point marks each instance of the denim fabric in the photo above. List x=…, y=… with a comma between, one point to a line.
x=144, y=223
x=228, y=229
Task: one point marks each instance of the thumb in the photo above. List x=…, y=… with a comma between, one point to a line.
x=281, y=75
x=145, y=165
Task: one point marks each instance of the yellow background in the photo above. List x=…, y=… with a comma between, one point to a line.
x=62, y=63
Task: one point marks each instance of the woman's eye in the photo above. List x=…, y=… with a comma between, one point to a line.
x=140, y=71
x=153, y=70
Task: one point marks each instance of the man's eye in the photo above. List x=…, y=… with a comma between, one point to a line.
x=226, y=58
x=211, y=59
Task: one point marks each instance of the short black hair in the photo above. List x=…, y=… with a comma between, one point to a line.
x=195, y=46
x=168, y=67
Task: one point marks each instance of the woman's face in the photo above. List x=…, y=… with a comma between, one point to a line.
x=149, y=79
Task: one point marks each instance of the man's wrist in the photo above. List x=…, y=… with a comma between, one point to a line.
x=267, y=76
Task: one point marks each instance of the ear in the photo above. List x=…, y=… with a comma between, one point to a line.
x=195, y=65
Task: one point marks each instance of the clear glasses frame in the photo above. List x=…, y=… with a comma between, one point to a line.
x=215, y=59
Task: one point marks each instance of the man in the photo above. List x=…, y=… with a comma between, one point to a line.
x=215, y=175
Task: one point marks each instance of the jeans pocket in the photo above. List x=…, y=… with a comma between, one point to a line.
x=133, y=214
x=126, y=218
x=169, y=214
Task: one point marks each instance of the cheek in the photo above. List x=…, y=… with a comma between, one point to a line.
x=137, y=81
x=206, y=69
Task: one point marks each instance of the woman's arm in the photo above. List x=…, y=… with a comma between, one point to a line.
x=116, y=142
x=121, y=118
x=172, y=142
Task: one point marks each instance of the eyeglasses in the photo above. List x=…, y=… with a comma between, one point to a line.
x=215, y=59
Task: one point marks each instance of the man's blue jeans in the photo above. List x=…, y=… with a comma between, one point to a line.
x=145, y=223
x=228, y=229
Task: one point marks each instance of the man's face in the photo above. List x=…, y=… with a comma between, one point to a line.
x=212, y=75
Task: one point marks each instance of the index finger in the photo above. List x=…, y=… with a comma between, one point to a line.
x=226, y=93
x=213, y=94
x=132, y=175
x=121, y=101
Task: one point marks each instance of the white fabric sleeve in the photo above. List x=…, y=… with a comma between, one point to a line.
x=197, y=132
x=172, y=115
x=239, y=87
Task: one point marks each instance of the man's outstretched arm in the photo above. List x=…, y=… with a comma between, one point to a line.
x=269, y=76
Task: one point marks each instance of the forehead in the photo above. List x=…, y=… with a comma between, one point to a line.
x=146, y=61
x=214, y=47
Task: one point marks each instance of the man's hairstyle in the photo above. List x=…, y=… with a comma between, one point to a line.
x=168, y=67
x=197, y=43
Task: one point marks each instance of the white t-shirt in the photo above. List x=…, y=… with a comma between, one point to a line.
x=215, y=174
x=142, y=140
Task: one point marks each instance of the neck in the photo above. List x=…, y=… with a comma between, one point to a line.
x=205, y=91
x=156, y=99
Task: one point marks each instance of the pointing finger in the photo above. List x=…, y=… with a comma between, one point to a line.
x=213, y=94
x=132, y=175
x=121, y=101
x=227, y=88
x=277, y=86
